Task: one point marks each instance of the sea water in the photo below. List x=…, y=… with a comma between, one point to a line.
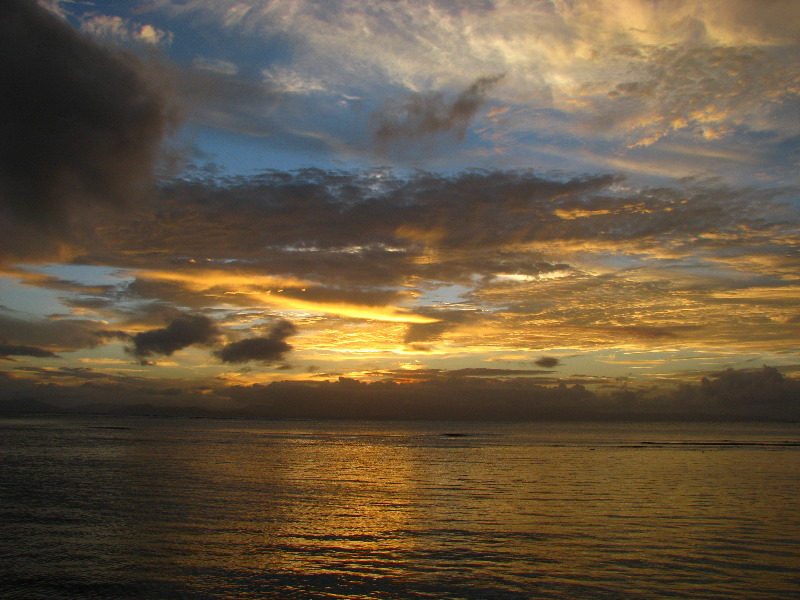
x=162, y=508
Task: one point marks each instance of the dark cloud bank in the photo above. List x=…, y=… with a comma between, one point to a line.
x=755, y=394
x=744, y=394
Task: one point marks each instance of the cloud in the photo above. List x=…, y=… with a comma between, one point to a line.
x=80, y=120
x=82, y=125
x=328, y=225
x=117, y=29
x=267, y=349
x=744, y=393
x=515, y=259
x=647, y=331
x=415, y=270
x=535, y=259
x=214, y=94
x=183, y=331
x=52, y=282
x=737, y=387
x=754, y=394
x=59, y=335
x=220, y=67
x=447, y=320
x=708, y=91
x=113, y=334
x=200, y=287
x=97, y=304
x=99, y=391
x=547, y=361
x=424, y=116
x=627, y=73
x=488, y=372
x=7, y=350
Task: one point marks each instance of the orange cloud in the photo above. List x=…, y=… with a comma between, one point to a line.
x=254, y=287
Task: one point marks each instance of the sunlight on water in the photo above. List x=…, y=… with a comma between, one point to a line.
x=170, y=508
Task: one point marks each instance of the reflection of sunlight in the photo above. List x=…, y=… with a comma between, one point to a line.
x=294, y=496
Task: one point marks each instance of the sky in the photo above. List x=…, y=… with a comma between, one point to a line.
x=229, y=203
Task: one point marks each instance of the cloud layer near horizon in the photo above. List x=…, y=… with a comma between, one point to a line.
x=727, y=395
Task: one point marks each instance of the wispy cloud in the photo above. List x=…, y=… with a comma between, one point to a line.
x=424, y=116
x=631, y=72
x=120, y=30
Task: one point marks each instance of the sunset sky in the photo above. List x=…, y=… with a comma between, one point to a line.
x=201, y=195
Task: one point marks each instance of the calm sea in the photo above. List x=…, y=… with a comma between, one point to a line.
x=120, y=508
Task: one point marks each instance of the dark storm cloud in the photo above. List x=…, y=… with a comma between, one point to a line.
x=268, y=349
x=425, y=115
x=80, y=123
x=547, y=362
x=7, y=350
x=183, y=331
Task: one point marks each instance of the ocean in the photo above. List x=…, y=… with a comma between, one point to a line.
x=160, y=508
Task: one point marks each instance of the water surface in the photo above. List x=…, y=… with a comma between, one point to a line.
x=98, y=507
